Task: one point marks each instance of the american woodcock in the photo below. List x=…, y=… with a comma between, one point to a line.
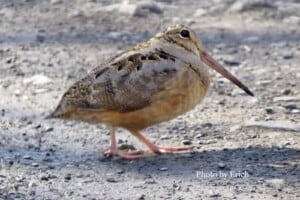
x=153, y=82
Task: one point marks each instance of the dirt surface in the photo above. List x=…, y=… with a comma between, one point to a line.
x=245, y=147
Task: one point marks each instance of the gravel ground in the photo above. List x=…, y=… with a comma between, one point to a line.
x=245, y=147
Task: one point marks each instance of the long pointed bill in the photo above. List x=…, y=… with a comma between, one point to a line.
x=207, y=59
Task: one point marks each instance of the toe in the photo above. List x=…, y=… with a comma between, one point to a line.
x=167, y=149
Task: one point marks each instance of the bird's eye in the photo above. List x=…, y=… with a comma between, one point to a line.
x=185, y=33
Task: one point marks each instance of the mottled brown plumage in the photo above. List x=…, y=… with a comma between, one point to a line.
x=153, y=82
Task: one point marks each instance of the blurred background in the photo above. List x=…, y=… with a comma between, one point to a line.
x=46, y=45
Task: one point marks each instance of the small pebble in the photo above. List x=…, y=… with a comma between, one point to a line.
x=292, y=19
x=141, y=196
x=215, y=195
x=200, y=12
x=164, y=137
x=68, y=177
x=286, y=98
x=144, y=8
x=207, y=125
x=38, y=79
x=111, y=180
x=295, y=111
x=32, y=184
x=270, y=110
x=121, y=171
x=34, y=164
x=243, y=6
x=6, y=84
x=231, y=61
x=291, y=107
x=276, y=125
x=163, y=169
x=263, y=82
x=77, y=13
x=207, y=142
x=40, y=38
x=20, y=178
x=186, y=142
x=286, y=91
x=221, y=165
x=252, y=39
x=49, y=129
x=17, y=92
x=287, y=54
x=150, y=181
x=54, y=2
x=199, y=135
x=44, y=178
x=27, y=157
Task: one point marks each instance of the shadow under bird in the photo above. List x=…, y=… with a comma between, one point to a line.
x=153, y=82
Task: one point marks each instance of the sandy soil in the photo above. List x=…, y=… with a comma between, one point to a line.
x=245, y=147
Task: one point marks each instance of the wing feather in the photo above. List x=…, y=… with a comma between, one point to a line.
x=123, y=85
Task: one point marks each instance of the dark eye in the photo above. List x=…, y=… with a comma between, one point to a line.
x=185, y=33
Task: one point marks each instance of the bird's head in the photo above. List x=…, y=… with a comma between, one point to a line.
x=184, y=43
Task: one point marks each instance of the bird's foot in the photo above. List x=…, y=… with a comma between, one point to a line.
x=167, y=149
x=123, y=154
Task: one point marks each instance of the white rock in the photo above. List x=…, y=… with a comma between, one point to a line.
x=38, y=79
x=111, y=8
x=127, y=8
x=286, y=98
x=164, y=137
x=276, y=182
x=200, y=12
x=77, y=13
x=276, y=125
x=113, y=35
x=295, y=111
x=234, y=128
x=263, y=82
x=292, y=20
x=40, y=90
x=17, y=92
x=245, y=5
x=53, y=2
x=140, y=9
x=163, y=169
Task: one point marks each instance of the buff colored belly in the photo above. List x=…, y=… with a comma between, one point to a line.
x=182, y=96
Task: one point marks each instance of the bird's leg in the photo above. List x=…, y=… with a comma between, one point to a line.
x=114, y=151
x=159, y=149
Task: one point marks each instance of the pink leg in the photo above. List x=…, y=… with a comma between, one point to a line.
x=159, y=149
x=114, y=151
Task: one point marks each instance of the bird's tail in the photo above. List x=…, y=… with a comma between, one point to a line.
x=55, y=114
x=60, y=112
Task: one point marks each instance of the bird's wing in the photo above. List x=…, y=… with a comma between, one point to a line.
x=128, y=82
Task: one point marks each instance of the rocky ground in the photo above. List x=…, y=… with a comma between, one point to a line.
x=245, y=147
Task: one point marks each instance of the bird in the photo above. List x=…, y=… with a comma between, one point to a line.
x=153, y=82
